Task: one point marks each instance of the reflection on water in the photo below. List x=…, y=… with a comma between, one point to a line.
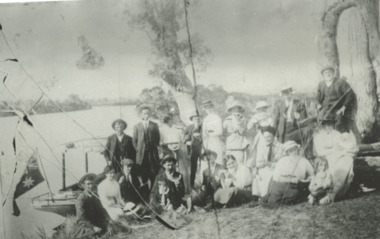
x=57, y=129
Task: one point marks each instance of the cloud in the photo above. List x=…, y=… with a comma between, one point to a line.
x=91, y=60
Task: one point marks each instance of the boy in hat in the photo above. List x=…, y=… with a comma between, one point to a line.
x=335, y=99
x=129, y=183
x=146, y=139
x=119, y=146
x=192, y=137
x=175, y=182
x=89, y=210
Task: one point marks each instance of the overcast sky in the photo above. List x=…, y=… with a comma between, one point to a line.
x=258, y=46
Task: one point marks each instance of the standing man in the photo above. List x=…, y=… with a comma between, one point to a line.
x=287, y=115
x=146, y=139
x=193, y=139
x=336, y=100
x=91, y=215
x=119, y=146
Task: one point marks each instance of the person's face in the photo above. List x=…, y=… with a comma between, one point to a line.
x=169, y=166
x=119, y=128
x=110, y=175
x=328, y=128
x=268, y=138
x=127, y=169
x=321, y=167
x=287, y=96
x=328, y=75
x=292, y=152
x=89, y=185
x=232, y=164
x=145, y=114
x=162, y=187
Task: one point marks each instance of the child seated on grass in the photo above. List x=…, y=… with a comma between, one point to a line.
x=321, y=183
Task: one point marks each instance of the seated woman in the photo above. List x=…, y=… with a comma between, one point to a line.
x=267, y=155
x=290, y=178
x=174, y=184
x=210, y=183
x=129, y=183
x=109, y=194
x=321, y=182
x=339, y=150
x=236, y=184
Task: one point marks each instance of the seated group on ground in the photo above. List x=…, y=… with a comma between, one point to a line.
x=286, y=162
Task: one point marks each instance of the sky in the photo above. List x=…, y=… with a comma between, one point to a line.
x=258, y=46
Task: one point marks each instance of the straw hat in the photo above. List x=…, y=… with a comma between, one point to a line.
x=130, y=208
x=327, y=68
x=144, y=106
x=290, y=144
x=168, y=158
x=261, y=104
x=88, y=176
x=126, y=162
x=269, y=129
x=235, y=104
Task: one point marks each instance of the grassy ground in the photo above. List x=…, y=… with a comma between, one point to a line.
x=353, y=218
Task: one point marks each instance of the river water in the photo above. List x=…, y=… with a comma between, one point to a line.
x=57, y=129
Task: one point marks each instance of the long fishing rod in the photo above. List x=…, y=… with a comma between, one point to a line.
x=185, y=2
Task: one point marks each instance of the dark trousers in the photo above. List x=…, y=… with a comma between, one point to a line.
x=195, y=153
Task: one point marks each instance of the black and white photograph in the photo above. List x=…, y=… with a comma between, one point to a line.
x=189, y=119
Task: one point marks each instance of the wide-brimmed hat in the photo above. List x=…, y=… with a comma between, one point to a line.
x=144, y=106
x=207, y=153
x=261, y=104
x=269, y=129
x=108, y=169
x=290, y=144
x=235, y=104
x=126, y=162
x=120, y=121
x=287, y=90
x=327, y=68
x=87, y=176
x=207, y=103
x=168, y=158
x=173, y=146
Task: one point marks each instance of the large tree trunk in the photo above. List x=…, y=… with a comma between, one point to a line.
x=366, y=60
x=327, y=46
x=363, y=80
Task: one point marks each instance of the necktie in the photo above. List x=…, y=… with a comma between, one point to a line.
x=269, y=159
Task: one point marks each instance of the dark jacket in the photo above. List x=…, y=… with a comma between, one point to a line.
x=144, y=141
x=128, y=189
x=176, y=192
x=280, y=118
x=115, y=150
x=89, y=211
x=327, y=97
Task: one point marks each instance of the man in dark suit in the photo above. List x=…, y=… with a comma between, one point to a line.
x=119, y=146
x=336, y=100
x=193, y=139
x=146, y=139
x=129, y=183
x=288, y=117
x=91, y=215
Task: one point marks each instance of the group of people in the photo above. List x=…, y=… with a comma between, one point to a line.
x=285, y=162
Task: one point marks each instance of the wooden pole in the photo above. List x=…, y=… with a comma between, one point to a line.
x=63, y=171
x=86, y=155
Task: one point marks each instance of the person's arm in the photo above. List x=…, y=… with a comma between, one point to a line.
x=320, y=96
x=106, y=151
x=276, y=116
x=301, y=109
x=349, y=99
x=181, y=188
x=156, y=135
x=135, y=137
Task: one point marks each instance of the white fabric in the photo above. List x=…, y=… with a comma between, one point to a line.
x=169, y=134
x=262, y=119
x=339, y=150
x=212, y=131
x=293, y=167
x=120, y=138
x=110, y=197
x=261, y=182
x=241, y=177
x=290, y=110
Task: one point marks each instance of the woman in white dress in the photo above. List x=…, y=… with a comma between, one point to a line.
x=236, y=125
x=212, y=131
x=109, y=194
x=339, y=150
